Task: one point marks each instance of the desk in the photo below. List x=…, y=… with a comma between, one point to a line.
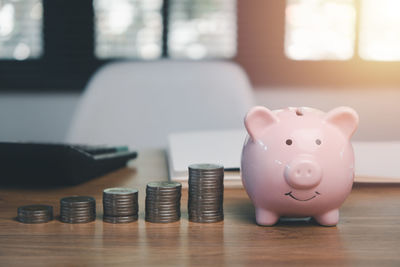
x=368, y=232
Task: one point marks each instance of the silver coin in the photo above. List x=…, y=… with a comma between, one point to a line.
x=161, y=211
x=216, y=183
x=199, y=201
x=116, y=213
x=148, y=207
x=171, y=188
x=122, y=196
x=162, y=202
x=77, y=217
x=77, y=210
x=164, y=212
x=120, y=213
x=161, y=195
x=111, y=202
x=206, y=214
x=206, y=220
x=128, y=205
x=120, y=208
x=120, y=191
x=196, y=187
x=158, y=196
x=120, y=200
x=203, y=189
x=31, y=220
x=161, y=219
x=22, y=220
x=206, y=175
x=67, y=209
x=208, y=217
x=164, y=184
x=205, y=166
x=205, y=207
x=206, y=201
x=209, y=182
x=155, y=217
x=35, y=209
x=120, y=219
x=204, y=194
x=76, y=222
x=77, y=200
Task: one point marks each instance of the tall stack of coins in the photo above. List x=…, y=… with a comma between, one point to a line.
x=35, y=214
x=206, y=193
x=163, y=202
x=120, y=205
x=77, y=209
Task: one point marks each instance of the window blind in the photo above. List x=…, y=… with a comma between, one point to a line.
x=128, y=28
x=202, y=29
x=21, y=29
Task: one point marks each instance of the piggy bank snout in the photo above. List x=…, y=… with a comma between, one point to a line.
x=303, y=173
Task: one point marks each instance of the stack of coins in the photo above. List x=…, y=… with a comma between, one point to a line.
x=35, y=214
x=120, y=205
x=163, y=202
x=206, y=193
x=77, y=209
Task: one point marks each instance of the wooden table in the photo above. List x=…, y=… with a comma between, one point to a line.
x=368, y=232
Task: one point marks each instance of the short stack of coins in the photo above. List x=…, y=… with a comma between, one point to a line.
x=120, y=205
x=35, y=214
x=163, y=202
x=77, y=209
x=206, y=193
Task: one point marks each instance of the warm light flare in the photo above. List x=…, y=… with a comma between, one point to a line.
x=380, y=30
x=320, y=29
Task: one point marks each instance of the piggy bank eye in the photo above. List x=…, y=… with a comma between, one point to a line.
x=289, y=142
x=318, y=142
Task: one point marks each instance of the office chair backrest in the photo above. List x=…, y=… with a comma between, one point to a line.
x=139, y=104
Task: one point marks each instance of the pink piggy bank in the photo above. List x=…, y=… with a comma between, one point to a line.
x=298, y=162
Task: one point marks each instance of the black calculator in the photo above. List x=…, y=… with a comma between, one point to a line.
x=24, y=163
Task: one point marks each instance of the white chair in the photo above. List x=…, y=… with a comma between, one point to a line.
x=140, y=103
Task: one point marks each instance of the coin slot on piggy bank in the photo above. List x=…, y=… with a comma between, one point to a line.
x=298, y=162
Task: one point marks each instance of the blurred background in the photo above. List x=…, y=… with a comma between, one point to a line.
x=318, y=53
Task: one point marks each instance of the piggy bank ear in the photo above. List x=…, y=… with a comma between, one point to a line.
x=257, y=120
x=345, y=118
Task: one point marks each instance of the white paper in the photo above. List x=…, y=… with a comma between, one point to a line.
x=380, y=160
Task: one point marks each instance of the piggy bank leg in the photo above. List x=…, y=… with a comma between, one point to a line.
x=266, y=217
x=330, y=218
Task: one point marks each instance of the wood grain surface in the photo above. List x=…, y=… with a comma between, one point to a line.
x=368, y=232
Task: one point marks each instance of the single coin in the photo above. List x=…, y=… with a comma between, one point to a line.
x=77, y=200
x=164, y=184
x=25, y=220
x=205, y=166
x=120, y=191
x=35, y=209
x=120, y=219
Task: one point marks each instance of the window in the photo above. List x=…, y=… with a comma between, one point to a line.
x=202, y=29
x=58, y=44
x=321, y=29
x=21, y=29
x=194, y=29
x=326, y=29
x=128, y=28
x=380, y=30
